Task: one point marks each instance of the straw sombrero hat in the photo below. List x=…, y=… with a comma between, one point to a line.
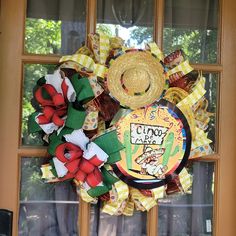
x=136, y=79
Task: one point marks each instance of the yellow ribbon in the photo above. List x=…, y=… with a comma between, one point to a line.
x=200, y=139
x=197, y=93
x=201, y=151
x=156, y=50
x=85, y=197
x=183, y=67
x=176, y=95
x=142, y=202
x=46, y=172
x=129, y=208
x=104, y=48
x=87, y=62
x=158, y=193
x=185, y=180
x=129, y=198
x=112, y=206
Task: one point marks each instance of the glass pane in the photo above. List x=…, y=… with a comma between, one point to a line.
x=193, y=26
x=55, y=27
x=103, y=224
x=212, y=89
x=32, y=72
x=45, y=209
x=190, y=214
x=131, y=20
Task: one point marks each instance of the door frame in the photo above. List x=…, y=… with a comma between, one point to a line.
x=12, y=58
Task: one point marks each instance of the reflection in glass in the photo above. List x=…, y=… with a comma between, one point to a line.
x=131, y=20
x=45, y=209
x=55, y=27
x=32, y=72
x=192, y=25
x=190, y=214
x=212, y=87
x=103, y=224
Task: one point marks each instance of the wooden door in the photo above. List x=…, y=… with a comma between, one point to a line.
x=13, y=62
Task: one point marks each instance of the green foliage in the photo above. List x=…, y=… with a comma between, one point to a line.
x=142, y=34
x=42, y=36
x=200, y=46
x=32, y=185
x=105, y=29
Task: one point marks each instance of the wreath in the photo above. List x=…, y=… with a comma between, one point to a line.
x=121, y=123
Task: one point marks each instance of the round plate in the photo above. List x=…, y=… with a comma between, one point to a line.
x=157, y=142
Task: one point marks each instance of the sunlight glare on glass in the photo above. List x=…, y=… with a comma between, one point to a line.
x=125, y=33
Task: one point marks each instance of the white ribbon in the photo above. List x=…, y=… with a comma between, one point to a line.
x=56, y=80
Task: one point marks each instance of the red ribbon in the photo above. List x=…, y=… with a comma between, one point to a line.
x=55, y=107
x=81, y=169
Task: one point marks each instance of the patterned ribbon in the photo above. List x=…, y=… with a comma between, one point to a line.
x=185, y=180
x=104, y=48
x=184, y=67
x=87, y=62
x=197, y=93
x=155, y=50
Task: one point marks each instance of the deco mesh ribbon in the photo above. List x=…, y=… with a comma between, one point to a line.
x=77, y=115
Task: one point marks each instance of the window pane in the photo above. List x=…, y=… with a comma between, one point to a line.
x=55, y=27
x=32, y=72
x=45, y=209
x=212, y=89
x=131, y=20
x=190, y=214
x=193, y=26
x=103, y=224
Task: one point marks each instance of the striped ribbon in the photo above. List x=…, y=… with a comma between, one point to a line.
x=142, y=201
x=200, y=139
x=185, y=180
x=129, y=209
x=183, y=67
x=85, y=196
x=122, y=191
x=196, y=95
x=87, y=62
x=156, y=51
x=46, y=172
x=104, y=48
x=159, y=192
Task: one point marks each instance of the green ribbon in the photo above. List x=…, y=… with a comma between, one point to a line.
x=54, y=142
x=108, y=181
x=110, y=144
x=33, y=126
x=53, y=169
x=82, y=88
x=98, y=191
x=75, y=118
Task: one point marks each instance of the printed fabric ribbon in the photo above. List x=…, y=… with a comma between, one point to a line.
x=123, y=200
x=98, y=69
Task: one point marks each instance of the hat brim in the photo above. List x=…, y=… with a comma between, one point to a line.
x=143, y=61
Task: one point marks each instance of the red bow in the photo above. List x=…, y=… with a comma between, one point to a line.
x=78, y=167
x=55, y=107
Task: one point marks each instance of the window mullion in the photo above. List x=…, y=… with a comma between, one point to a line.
x=158, y=24
x=91, y=16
